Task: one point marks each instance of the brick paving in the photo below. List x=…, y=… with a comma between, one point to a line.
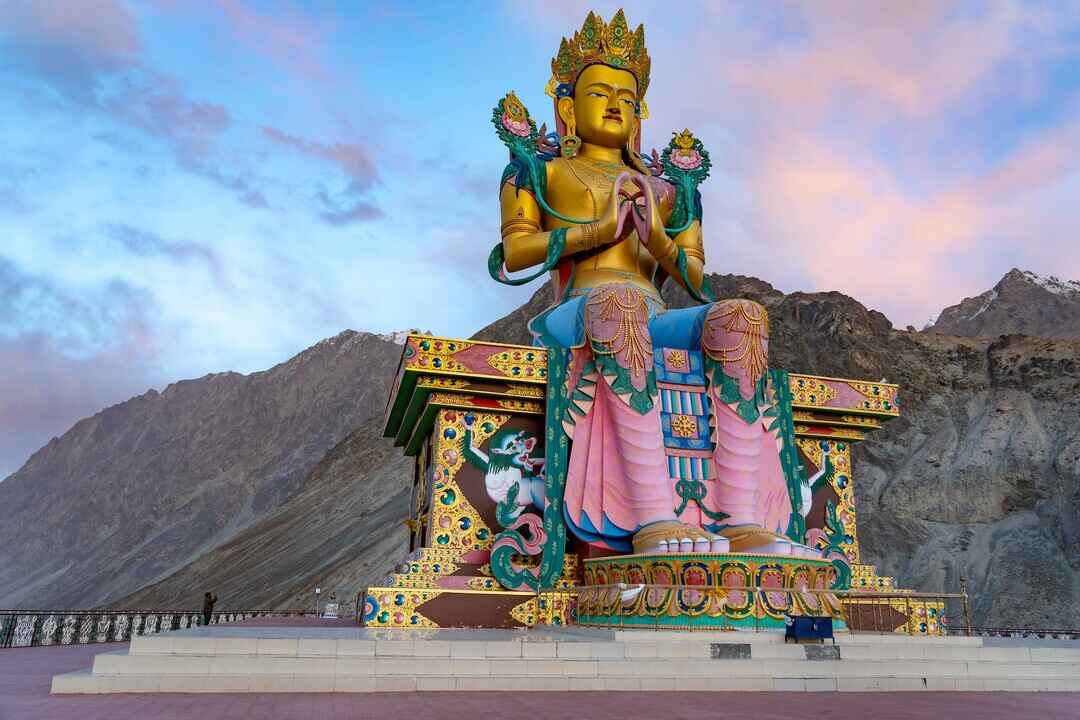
x=26, y=673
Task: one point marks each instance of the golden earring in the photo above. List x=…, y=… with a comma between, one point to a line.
x=570, y=143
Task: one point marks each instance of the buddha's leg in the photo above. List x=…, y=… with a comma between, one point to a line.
x=736, y=337
x=737, y=458
x=618, y=474
x=633, y=463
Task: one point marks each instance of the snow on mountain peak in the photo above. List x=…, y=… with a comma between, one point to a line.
x=1053, y=284
x=397, y=337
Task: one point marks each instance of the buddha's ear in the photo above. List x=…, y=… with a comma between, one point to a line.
x=566, y=111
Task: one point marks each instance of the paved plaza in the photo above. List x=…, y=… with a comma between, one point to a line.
x=25, y=676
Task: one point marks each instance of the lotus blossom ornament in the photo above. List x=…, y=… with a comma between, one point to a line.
x=514, y=117
x=684, y=155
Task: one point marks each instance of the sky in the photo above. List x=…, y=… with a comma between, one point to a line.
x=193, y=186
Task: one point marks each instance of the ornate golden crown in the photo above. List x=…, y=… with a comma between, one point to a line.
x=607, y=44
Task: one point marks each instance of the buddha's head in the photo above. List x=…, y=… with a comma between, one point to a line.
x=599, y=78
x=603, y=109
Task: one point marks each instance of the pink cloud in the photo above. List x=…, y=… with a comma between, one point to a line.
x=104, y=29
x=291, y=39
x=351, y=205
x=71, y=46
x=912, y=58
x=350, y=158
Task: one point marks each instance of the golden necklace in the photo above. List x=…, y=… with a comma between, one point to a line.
x=595, y=173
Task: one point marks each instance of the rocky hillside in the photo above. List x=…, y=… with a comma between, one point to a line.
x=343, y=529
x=1022, y=302
x=980, y=477
x=132, y=494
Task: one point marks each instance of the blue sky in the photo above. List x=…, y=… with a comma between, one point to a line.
x=190, y=187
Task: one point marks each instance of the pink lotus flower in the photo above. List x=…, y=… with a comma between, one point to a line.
x=517, y=127
x=686, y=159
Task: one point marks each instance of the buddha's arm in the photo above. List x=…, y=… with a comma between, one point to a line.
x=666, y=250
x=525, y=243
x=690, y=242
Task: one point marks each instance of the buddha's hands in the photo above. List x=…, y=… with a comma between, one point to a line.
x=655, y=239
x=631, y=207
x=609, y=227
x=627, y=210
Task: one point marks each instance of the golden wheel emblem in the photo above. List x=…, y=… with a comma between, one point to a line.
x=676, y=359
x=684, y=426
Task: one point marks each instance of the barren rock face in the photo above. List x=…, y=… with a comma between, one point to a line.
x=1022, y=303
x=263, y=487
x=137, y=491
x=340, y=532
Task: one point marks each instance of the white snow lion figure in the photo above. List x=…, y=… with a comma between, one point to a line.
x=508, y=465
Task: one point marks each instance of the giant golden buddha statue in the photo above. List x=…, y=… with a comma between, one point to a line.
x=660, y=437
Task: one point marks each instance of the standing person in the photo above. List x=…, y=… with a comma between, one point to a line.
x=208, y=607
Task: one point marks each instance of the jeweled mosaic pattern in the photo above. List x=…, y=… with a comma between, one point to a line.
x=842, y=485
x=550, y=608
x=448, y=582
x=455, y=523
x=397, y=607
x=865, y=577
x=725, y=590
x=809, y=391
x=911, y=616
x=457, y=607
x=465, y=357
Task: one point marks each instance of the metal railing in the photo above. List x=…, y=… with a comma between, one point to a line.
x=1055, y=634
x=33, y=628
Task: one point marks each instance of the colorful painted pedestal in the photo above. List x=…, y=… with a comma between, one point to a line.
x=706, y=591
x=445, y=387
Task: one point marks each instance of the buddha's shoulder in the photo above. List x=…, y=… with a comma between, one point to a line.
x=558, y=166
x=552, y=167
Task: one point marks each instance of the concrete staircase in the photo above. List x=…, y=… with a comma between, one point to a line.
x=566, y=660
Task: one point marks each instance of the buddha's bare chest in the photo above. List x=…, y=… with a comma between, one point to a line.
x=581, y=190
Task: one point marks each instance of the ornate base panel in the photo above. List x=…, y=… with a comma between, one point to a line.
x=404, y=608
x=908, y=616
x=447, y=580
x=728, y=590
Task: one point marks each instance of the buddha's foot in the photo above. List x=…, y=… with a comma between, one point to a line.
x=754, y=539
x=671, y=536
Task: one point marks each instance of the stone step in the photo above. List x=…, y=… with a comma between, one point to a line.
x=565, y=659
x=777, y=638
x=685, y=648
x=124, y=664
x=304, y=647
x=85, y=682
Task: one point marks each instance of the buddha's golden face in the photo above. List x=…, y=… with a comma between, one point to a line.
x=604, y=105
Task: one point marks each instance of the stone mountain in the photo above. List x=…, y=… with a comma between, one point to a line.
x=980, y=477
x=132, y=494
x=1022, y=302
